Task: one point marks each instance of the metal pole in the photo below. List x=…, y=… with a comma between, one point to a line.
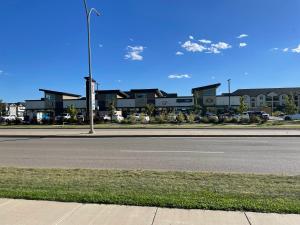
x=229, y=94
x=88, y=19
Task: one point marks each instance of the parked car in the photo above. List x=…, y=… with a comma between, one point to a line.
x=244, y=115
x=138, y=117
x=8, y=118
x=292, y=117
x=118, y=117
x=80, y=117
x=263, y=115
x=63, y=116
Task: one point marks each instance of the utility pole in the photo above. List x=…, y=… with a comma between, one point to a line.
x=229, y=94
x=88, y=13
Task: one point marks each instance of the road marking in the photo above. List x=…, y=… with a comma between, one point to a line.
x=153, y=151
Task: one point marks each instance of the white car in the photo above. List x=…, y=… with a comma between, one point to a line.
x=8, y=118
x=244, y=116
x=292, y=117
x=138, y=117
x=64, y=116
x=118, y=117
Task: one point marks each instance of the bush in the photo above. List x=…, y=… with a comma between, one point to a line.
x=255, y=119
x=132, y=119
x=235, y=120
x=244, y=120
x=161, y=118
x=277, y=113
x=180, y=118
x=205, y=119
x=227, y=120
x=191, y=118
x=213, y=119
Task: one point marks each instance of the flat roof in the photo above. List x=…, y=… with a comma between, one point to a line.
x=59, y=93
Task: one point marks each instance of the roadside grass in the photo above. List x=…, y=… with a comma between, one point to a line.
x=267, y=125
x=190, y=190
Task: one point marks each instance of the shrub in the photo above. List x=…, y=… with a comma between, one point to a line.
x=255, y=119
x=180, y=118
x=277, y=113
x=213, y=119
x=132, y=119
x=191, y=118
x=161, y=118
x=227, y=120
x=235, y=120
x=205, y=119
x=171, y=118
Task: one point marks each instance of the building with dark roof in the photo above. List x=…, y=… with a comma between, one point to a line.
x=272, y=98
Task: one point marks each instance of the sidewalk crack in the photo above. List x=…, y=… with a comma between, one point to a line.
x=154, y=216
x=247, y=218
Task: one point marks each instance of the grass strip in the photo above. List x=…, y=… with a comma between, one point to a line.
x=268, y=125
x=190, y=190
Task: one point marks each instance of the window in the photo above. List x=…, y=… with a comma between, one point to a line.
x=181, y=100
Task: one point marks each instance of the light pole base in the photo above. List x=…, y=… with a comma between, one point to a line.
x=92, y=132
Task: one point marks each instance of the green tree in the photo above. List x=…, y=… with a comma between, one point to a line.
x=290, y=106
x=112, y=110
x=150, y=109
x=72, y=111
x=243, y=106
x=2, y=107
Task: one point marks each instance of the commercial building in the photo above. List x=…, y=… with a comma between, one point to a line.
x=203, y=98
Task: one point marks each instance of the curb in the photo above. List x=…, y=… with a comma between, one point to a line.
x=144, y=136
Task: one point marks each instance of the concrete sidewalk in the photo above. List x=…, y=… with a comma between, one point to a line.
x=26, y=212
x=150, y=133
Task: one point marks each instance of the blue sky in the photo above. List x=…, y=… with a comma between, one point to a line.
x=43, y=45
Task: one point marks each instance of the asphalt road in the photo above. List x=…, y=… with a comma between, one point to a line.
x=251, y=155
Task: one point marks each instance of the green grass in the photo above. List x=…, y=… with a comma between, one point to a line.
x=192, y=190
x=269, y=124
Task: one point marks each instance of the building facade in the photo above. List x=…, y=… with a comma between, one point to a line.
x=203, y=99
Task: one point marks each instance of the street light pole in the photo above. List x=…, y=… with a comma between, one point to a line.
x=229, y=94
x=88, y=22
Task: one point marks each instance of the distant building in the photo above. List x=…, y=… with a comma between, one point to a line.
x=270, y=98
x=203, y=98
x=15, y=109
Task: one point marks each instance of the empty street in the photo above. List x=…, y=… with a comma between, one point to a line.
x=250, y=155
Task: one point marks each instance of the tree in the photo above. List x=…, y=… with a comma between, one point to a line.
x=72, y=111
x=2, y=107
x=290, y=106
x=243, y=106
x=150, y=109
x=112, y=110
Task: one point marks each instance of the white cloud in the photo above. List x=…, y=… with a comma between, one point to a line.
x=285, y=49
x=119, y=81
x=221, y=45
x=134, y=53
x=246, y=73
x=242, y=36
x=100, y=45
x=1, y=72
x=213, y=50
x=179, y=76
x=213, y=77
x=193, y=47
x=204, y=41
x=296, y=50
x=243, y=44
x=179, y=53
x=191, y=37
x=274, y=49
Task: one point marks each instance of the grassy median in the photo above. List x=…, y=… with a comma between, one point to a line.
x=217, y=191
x=269, y=124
